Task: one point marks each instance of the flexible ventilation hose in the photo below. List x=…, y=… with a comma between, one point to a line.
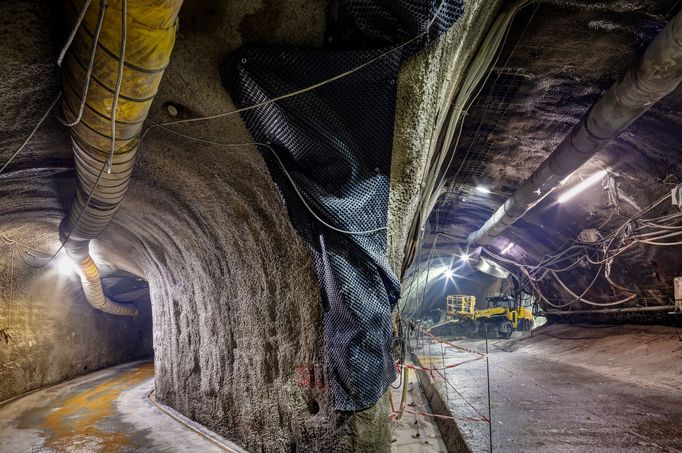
x=146, y=30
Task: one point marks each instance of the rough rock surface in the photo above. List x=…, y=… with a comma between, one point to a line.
x=48, y=333
x=426, y=83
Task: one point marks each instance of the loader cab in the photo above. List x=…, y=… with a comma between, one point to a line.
x=501, y=302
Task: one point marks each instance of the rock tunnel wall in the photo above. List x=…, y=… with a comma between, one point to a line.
x=426, y=86
x=236, y=326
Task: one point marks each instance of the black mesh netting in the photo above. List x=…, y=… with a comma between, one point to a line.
x=335, y=142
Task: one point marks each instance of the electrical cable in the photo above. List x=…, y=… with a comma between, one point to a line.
x=40, y=175
x=284, y=170
x=426, y=282
x=289, y=95
x=463, y=397
x=575, y=296
x=561, y=254
x=479, y=72
x=7, y=240
x=91, y=63
x=119, y=80
x=470, y=104
x=40, y=122
x=68, y=235
x=74, y=30
x=589, y=302
x=661, y=244
x=479, y=69
x=428, y=271
x=487, y=104
x=480, y=124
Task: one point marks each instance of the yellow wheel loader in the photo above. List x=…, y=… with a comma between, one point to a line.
x=502, y=316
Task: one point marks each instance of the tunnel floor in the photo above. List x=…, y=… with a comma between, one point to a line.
x=566, y=389
x=105, y=411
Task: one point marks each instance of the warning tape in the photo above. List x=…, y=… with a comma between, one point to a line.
x=452, y=345
x=446, y=367
x=479, y=355
x=397, y=414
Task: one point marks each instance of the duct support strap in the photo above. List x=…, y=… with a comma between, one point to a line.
x=150, y=35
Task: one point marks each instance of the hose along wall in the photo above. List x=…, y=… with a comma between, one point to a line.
x=145, y=31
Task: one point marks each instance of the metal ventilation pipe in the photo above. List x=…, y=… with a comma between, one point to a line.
x=653, y=75
x=145, y=29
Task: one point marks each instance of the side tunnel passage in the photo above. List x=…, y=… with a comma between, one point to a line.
x=49, y=332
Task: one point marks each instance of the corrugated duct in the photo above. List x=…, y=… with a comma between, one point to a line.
x=116, y=59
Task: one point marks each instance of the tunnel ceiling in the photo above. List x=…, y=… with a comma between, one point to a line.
x=557, y=60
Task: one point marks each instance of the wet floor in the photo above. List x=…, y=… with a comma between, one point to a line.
x=549, y=401
x=106, y=411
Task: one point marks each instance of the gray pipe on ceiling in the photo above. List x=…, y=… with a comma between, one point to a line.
x=656, y=73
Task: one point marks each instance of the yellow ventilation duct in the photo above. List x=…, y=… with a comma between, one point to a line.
x=117, y=58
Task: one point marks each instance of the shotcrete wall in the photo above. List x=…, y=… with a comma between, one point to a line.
x=426, y=85
x=235, y=302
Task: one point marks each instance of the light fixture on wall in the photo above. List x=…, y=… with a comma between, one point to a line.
x=587, y=182
x=482, y=189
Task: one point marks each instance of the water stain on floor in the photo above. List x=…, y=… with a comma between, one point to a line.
x=86, y=419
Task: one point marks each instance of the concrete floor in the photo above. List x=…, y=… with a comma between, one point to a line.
x=565, y=389
x=111, y=411
x=568, y=389
x=106, y=411
x=414, y=433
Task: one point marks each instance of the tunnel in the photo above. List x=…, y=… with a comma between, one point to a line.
x=341, y=226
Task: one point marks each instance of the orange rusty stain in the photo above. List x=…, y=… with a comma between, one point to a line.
x=74, y=426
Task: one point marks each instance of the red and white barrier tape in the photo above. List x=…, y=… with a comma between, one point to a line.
x=452, y=345
x=397, y=414
x=446, y=367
